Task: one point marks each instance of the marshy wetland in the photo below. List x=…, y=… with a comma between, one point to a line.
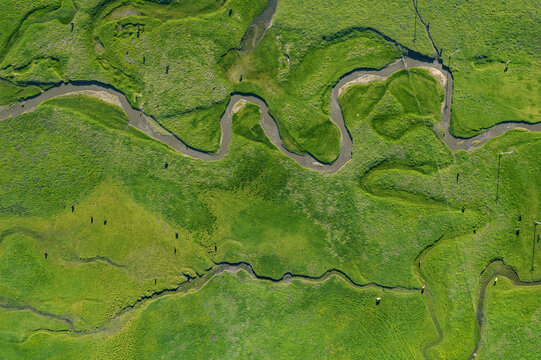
x=269, y=179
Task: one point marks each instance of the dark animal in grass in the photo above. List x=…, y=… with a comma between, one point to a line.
x=144, y=60
x=463, y=208
x=45, y=255
x=378, y=300
x=155, y=281
x=71, y=27
x=166, y=165
x=457, y=177
x=517, y=232
x=91, y=220
x=176, y=235
x=520, y=218
x=215, y=248
x=167, y=69
x=230, y=12
x=104, y=222
x=174, y=250
x=72, y=208
x=188, y=276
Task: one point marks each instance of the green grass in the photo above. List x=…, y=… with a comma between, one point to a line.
x=18, y=325
x=18, y=15
x=303, y=25
x=404, y=193
x=126, y=51
x=53, y=286
x=11, y=93
x=130, y=34
x=186, y=77
x=452, y=267
x=298, y=92
x=199, y=129
x=486, y=95
x=277, y=321
x=488, y=34
x=164, y=9
x=246, y=124
x=254, y=205
x=117, y=44
x=398, y=104
x=307, y=320
x=512, y=321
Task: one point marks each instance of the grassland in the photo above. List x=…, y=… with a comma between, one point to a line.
x=488, y=91
x=135, y=46
x=125, y=45
x=255, y=205
x=300, y=326
x=301, y=315
x=487, y=34
x=512, y=324
x=101, y=228
x=298, y=95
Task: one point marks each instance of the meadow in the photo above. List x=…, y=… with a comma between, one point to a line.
x=105, y=233
x=175, y=53
x=255, y=205
x=511, y=321
x=488, y=35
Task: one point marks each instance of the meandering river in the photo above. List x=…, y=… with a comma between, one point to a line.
x=149, y=126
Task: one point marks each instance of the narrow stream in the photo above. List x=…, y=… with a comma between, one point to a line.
x=255, y=32
x=150, y=127
x=494, y=269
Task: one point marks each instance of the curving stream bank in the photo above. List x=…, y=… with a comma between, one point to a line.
x=494, y=269
x=193, y=284
x=150, y=127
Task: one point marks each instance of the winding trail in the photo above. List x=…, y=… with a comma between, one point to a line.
x=150, y=127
